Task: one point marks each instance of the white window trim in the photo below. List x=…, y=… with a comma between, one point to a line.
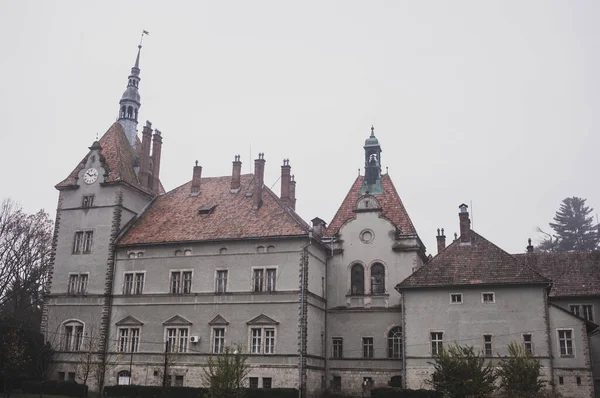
x=488, y=302
x=72, y=322
x=178, y=327
x=333, y=345
x=264, y=268
x=128, y=345
x=212, y=338
x=362, y=347
x=181, y=271
x=458, y=302
x=531, y=342
x=491, y=342
x=215, y=279
x=133, y=286
x=572, y=342
x=78, y=274
x=83, y=231
x=430, y=339
x=263, y=339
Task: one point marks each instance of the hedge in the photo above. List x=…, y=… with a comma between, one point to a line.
x=386, y=392
x=190, y=392
x=55, y=387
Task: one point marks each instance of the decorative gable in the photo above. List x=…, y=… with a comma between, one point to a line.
x=177, y=320
x=129, y=321
x=218, y=320
x=262, y=319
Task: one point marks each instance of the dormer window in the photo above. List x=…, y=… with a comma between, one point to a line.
x=206, y=209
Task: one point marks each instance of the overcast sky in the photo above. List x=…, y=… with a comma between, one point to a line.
x=493, y=103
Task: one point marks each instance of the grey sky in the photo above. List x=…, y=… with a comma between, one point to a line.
x=490, y=102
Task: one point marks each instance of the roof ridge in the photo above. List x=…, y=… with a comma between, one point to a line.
x=395, y=191
x=289, y=211
x=347, y=197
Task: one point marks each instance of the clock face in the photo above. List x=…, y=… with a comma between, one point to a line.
x=90, y=176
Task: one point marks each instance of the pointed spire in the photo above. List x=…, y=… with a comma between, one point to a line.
x=137, y=60
x=372, y=131
x=130, y=104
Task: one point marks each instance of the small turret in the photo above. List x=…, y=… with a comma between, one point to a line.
x=129, y=105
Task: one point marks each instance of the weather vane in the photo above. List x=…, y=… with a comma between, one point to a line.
x=144, y=32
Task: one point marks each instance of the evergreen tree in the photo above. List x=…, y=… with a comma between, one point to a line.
x=574, y=228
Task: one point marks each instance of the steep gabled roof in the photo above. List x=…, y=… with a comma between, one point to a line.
x=572, y=274
x=119, y=159
x=391, y=205
x=175, y=216
x=478, y=262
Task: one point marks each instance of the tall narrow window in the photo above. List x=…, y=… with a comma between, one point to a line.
x=187, y=282
x=88, y=201
x=437, y=343
x=128, y=284
x=78, y=242
x=367, y=343
x=135, y=339
x=271, y=279
x=72, y=288
x=269, y=341
x=221, y=282
x=377, y=279
x=588, y=312
x=395, y=343
x=357, y=280
x=256, y=340
x=78, y=338
x=73, y=336
x=123, y=339
x=487, y=345
x=139, y=283
x=574, y=309
x=87, y=242
x=68, y=337
x=83, y=280
x=257, y=280
x=527, y=343
x=218, y=340
x=338, y=347
x=172, y=339
x=565, y=342
x=183, y=340
x=175, y=282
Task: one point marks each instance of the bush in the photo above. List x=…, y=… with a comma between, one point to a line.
x=55, y=387
x=519, y=373
x=386, y=392
x=134, y=391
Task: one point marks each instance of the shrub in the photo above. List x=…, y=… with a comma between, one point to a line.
x=459, y=373
x=134, y=391
x=386, y=392
x=55, y=387
x=519, y=373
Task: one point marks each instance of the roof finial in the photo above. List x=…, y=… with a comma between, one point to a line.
x=96, y=136
x=372, y=131
x=137, y=60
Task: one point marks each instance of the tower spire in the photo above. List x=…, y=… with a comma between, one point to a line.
x=129, y=105
x=372, y=181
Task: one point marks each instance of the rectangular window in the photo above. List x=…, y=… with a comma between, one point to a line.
x=78, y=338
x=253, y=382
x=71, y=376
x=172, y=339
x=183, y=340
x=61, y=376
x=367, y=343
x=123, y=339
x=269, y=341
x=574, y=309
x=177, y=339
x=68, y=337
x=187, y=282
x=175, y=282
x=221, y=282
x=256, y=340
x=561, y=381
x=271, y=279
x=88, y=201
x=487, y=298
x=73, y=282
x=257, y=280
x=139, y=283
x=336, y=383
x=487, y=345
x=267, y=382
x=588, y=312
x=78, y=242
x=218, y=340
x=437, y=343
x=338, y=347
x=455, y=298
x=87, y=241
x=135, y=339
x=83, y=279
x=262, y=340
x=578, y=379
x=178, y=381
x=128, y=284
x=527, y=343
x=565, y=342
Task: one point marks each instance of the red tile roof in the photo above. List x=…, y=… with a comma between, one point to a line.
x=119, y=159
x=478, y=263
x=391, y=204
x=572, y=274
x=174, y=217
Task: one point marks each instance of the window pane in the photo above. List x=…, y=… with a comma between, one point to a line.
x=267, y=382
x=256, y=340
x=139, y=283
x=83, y=278
x=72, y=288
x=183, y=340
x=78, y=338
x=377, y=279
x=219, y=340
x=357, y=280
x=172, y=339
x=175, y=281
x=253, y=382
x=257, y=280
x=271, y=279
x=187, y=282
x=395, y=343
x=588, y=313
x=338, y=347
x=87, y=244
x=269, y=341
x=135, y=339
x=367, y=347
x=128, y=284
x=221, y=281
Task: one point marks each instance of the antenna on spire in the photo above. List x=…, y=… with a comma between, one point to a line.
x=144, y=32
x=97, y=140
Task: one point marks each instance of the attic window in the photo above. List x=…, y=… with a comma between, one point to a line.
x=206, y=209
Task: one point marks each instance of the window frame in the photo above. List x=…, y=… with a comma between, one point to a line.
x=577, y=307
x=360, y=288
x=484, y=301
x=439, y=344
x=526, y=343
x=134, y=276
x=392, y=342
x=72, y=341
x=213, y=339
x=178, y=338
x=488, y=344
x=87, y=201
x=459, y=295
x=339, y=353
x=263, y=339
x=572, y=340
x=180, y=287
x=584, y=308
x=270, y=379
x=80, y=245
x=264, y=279
x=383, y=291
x=130, y=347
x=217, y=279
x=368, y=347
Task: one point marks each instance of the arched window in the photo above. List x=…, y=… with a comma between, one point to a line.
x=132, y=255
x=270, y=249
x=129, y=111
x=357, y=280
x=260, y=249
x=123, y=111
x=187, y=252
x=140, y=254
x=395, y=343
x=396, y=381
x=73, y=335
x=136, y=114
x=223, y=250
x=178, y=253
x=377, y=279
x=123, y=378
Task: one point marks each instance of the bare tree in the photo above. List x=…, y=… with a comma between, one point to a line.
x=225, y=373
x=104, y=364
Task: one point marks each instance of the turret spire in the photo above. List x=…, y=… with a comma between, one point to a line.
x=130, y=104
x=372, y=182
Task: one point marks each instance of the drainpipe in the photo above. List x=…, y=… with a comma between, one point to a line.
x=301, y=391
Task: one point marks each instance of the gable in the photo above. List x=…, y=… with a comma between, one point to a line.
x=218, y=320
x=177, y=320
x=262, y=319
x=129, y=320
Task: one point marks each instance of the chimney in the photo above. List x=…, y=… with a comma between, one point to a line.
x=465, y=224
x=441, y=240
x=145, y=155
x=156, y=149
x=318, y=226
x=293, y=193
x=235, y=174
x=530, y=246
x=259, y=176
x=285, y=182
x=196, y=176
